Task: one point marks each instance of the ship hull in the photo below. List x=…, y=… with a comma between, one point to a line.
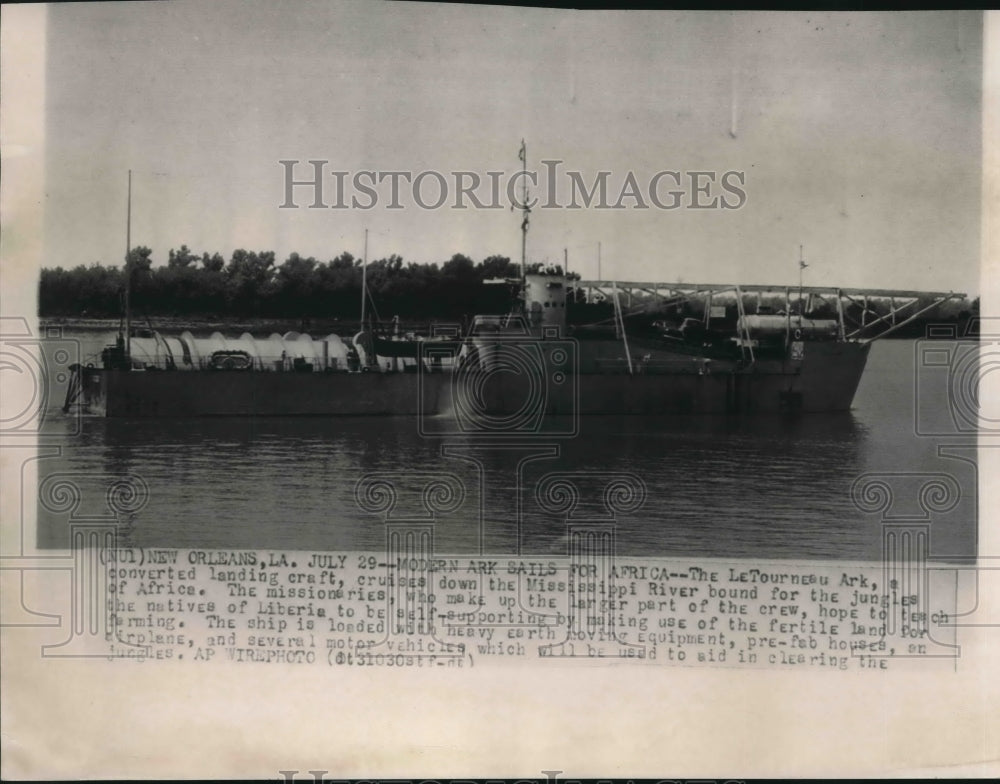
x=824, y=379
x=216, y=394
x=824, y=376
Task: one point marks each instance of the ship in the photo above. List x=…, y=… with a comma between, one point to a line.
x=655, y=349
x=509, y=372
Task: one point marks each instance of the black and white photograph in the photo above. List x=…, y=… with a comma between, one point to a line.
x=499, y=339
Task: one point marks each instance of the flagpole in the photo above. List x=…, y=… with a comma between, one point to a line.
x=802, y=266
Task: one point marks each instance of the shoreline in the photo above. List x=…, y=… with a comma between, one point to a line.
x=181, y=324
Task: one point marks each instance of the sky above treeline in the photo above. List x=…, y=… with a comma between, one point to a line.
x=857, y=136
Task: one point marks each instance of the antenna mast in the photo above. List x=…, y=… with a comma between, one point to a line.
x=128, y=273
x=364, y=281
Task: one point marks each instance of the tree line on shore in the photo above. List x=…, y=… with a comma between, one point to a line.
x=251, y=284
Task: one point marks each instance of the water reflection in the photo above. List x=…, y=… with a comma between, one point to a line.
x=717, y=486
x=715, y=482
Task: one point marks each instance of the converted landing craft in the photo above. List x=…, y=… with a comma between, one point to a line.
x=509, y=373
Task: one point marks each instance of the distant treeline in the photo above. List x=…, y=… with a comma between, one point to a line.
x=252, y=284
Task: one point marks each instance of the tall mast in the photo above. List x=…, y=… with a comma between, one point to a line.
x=364, y=281
x=128, y=272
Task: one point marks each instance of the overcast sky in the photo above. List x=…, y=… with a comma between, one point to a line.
x=859, y=134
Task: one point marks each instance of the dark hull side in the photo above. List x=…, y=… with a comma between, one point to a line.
x=220, y=393
x=825, y=380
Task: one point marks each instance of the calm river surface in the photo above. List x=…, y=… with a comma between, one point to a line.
x=751, y=487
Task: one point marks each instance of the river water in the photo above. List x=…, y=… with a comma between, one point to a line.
x=745, y=487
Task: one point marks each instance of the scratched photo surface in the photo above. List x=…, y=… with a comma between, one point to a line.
x=509, y=270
